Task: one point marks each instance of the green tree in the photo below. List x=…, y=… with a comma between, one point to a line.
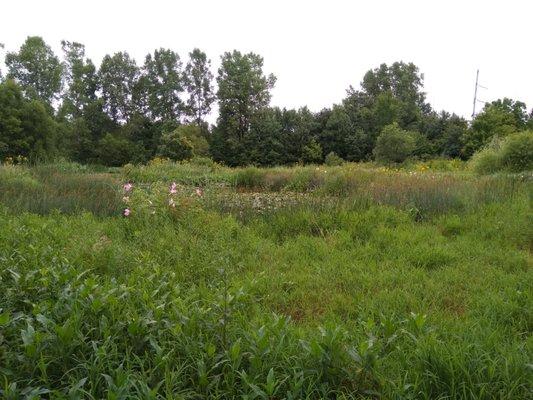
x=263, y=145
x=175, y=146
x=394, y=145
x=298, y=130
x=402, y=80
x=243, y=91
x=12, y=140
x=198, y=81
x=36, y=69
x=498, y=119
x=312, y=152
x=144, y=134
x=115, y=150
x=164, y=85
x=26, y=128
x=194, y=134
x=80, y=78
x=517, y=152
x=119, y=77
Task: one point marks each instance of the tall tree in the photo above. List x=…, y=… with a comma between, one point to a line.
x=81, y=80
x=119, y=76
x=37, y=69
x=26, y=128
x=243, y=91
x=400, y=83
x=164, y=84
x=198, y=81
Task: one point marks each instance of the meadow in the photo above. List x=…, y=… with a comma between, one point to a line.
x=309, y=282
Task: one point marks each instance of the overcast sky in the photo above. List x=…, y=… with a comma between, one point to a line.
x=316, y=49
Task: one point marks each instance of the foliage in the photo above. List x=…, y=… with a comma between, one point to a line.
x=80, y=78
x=164, y=83
x=198, y=81
x=115, y=150
x=231, y=294
x=498, y=119
x=142, y=103
x=26, y=129
x=175, y=146
x=394, y=145
x=517, y=152
x=36, y=69
x=514, y=153
x=333, y=159
x=119, y=79
x=243, y=91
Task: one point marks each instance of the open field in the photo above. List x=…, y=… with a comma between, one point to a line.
x=311, y=282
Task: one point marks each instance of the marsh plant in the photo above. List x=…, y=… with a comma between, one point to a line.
x=350, y=281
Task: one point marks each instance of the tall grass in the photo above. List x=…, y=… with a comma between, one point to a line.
x=44, y=189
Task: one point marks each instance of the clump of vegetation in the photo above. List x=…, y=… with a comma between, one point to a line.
x=333, y=160
x=517, y=152
x=394, y=145
x=512, y=154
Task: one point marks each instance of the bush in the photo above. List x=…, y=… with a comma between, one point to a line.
x=517, y=152
x=203, y=161
x=115, y=151
x=332, y=159
x=486, y=161
x=193, y=133
x=312, y=152
x=175, y=146
x=514, y=154
x=394, y=145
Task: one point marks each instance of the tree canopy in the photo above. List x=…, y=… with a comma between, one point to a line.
x=121, y=111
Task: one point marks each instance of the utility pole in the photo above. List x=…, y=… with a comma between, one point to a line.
x=475, y=95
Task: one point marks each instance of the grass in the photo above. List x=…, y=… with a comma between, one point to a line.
x=282, y=283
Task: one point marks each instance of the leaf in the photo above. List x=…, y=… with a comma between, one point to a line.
x=4, y=318
x=28, y=335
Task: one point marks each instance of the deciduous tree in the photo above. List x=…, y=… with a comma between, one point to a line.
x=198, y=81
x=118, y=76
x=36, y=69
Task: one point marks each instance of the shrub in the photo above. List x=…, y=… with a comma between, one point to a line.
x=517, y=152
x=513, y=153
x=175, y=146
x=332, y=159
x=193, y=133
x=394, y=145
x=203, y=161
x=115, y=151
x=486, y=161
x=312, y=152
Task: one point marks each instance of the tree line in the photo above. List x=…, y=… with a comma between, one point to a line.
x=121, y=112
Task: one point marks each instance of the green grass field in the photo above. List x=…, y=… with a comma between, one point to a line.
x=290, y=283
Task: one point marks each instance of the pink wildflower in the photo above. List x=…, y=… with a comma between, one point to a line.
x=126, y=212
x=173, y=188
x=127, y=187
x=199, y=192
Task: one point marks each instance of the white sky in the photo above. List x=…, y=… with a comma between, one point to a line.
x=315, y=48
